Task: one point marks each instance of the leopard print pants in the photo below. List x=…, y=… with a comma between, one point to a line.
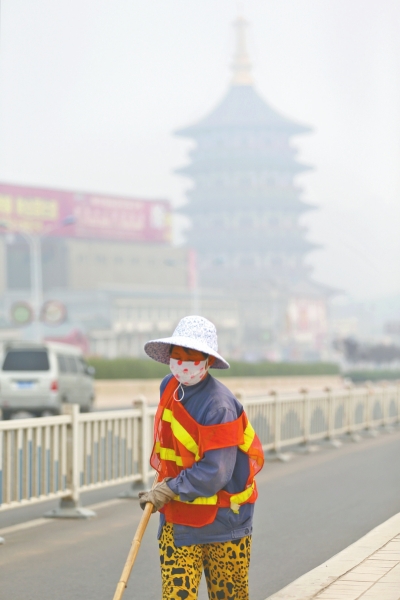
x=225, y=564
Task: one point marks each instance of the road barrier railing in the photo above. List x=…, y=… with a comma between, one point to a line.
x=33, y=460
x=282, y=420
x=62, y=456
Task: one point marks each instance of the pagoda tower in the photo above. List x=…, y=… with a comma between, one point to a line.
x=245, y=206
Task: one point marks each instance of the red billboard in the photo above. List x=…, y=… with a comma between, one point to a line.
x=96, y=216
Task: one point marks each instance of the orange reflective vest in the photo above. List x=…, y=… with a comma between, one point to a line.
x=179, y=442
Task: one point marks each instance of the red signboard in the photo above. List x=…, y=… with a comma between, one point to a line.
x=96, y=216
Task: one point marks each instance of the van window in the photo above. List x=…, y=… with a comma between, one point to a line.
x=71, y=364
x=62, y=363
x=83, y=365
x=26, y=360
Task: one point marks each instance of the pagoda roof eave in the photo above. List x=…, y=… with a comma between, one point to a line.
x=243, y=108
x=191, y=208
x=198, y=167
x=193, y=130
x=248, y=240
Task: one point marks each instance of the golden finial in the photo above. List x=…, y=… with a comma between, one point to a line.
x=241, y=63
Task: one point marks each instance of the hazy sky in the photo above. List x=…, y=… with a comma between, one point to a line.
x=91, y=91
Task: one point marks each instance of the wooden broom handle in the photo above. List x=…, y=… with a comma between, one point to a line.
x=141, y=528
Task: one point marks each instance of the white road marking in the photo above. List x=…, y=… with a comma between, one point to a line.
x=43, y=521
x=26, y=525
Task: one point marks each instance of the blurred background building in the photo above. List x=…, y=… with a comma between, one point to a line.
x=112, y=278
x=111, y=263
x=245, y=207
x=108, y=262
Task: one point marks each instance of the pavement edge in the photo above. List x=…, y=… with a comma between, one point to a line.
x=314, y=582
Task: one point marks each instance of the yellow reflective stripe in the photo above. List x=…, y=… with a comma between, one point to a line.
x=200, y=500
x=168, y=454
x=167, y=415
x=181, y=434
x=248, y=434
x=237, y=499
x=184, y=438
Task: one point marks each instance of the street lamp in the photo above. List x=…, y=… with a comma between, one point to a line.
x=35, y=246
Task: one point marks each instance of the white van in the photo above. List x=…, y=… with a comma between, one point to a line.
x=38, y=377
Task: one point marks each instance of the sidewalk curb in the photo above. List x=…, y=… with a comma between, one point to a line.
x=314, y=582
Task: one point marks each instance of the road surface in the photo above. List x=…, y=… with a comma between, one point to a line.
x=308, y=510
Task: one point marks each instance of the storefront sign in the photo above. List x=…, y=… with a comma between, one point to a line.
x=94, y=216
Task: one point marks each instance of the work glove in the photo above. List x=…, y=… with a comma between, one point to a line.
x=160, y=494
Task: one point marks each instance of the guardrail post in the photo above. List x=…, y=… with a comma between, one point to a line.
x=306, y=419
x=330, y=438
x=370, y=429
x=306, y=415
x=276, y=453
x=398, y=401
x=353, y=435
x=70, y=507
x=277, y=427
x=305, y=446
x=145, y=449
x=146, y=442
x=385, y=408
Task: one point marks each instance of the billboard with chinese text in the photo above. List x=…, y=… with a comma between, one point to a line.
x=97, y=216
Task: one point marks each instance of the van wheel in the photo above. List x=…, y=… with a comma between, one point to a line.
x=46, y=413
x=88, y=407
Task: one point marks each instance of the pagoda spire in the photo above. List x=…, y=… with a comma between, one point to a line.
x=241, y=65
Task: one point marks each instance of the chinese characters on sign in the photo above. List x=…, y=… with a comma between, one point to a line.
x=42, y=211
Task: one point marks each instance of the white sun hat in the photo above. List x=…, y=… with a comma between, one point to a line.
x=196, y=333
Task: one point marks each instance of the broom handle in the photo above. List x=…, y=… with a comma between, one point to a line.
x=123, y=582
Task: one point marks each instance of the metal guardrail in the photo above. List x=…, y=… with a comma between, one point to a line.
x=61, y=456
x=289, y=419
x=33, y=460
x=115, y=446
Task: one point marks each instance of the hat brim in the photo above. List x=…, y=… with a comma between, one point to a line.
x=159, y=350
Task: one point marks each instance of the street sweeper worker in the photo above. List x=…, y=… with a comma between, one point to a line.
x=207, y=454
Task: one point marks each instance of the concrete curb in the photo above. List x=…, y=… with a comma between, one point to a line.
x=314, y=582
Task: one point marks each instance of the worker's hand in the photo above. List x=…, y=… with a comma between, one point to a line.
x=160, y=494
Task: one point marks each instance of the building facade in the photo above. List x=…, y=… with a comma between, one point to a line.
x=145, y=315
x=87, y=241
x=110, y=262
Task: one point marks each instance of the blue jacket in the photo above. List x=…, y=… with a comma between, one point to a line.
x=211, y=403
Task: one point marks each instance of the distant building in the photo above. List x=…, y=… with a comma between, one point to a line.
x=144, y=315
x=245, y=208
x=110, y=262
x=88, y=241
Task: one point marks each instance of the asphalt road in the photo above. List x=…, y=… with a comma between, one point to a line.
x=308, y=510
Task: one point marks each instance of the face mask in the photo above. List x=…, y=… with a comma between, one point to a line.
x=188, y=372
